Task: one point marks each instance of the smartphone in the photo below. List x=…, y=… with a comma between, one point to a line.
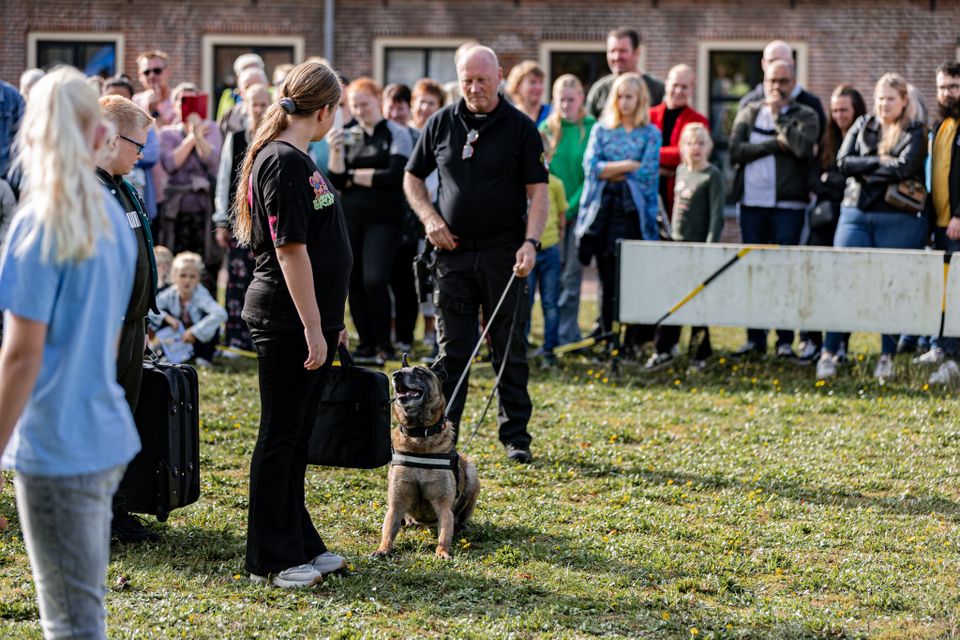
x=337, y=119
x=196, y=103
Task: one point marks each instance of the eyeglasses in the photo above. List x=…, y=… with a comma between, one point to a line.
x=472, y=136
x=133, y=142
x=154, y=71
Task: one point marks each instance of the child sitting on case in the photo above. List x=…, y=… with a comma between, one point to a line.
x=186, y=306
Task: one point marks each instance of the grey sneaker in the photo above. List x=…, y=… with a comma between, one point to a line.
x=884, y=370
x=948, y=373
x=658, y=361
x=827, y=367
x=785, y=352
x=809, y=353
x=934, y=357
x=328, y=562
x=303, y=575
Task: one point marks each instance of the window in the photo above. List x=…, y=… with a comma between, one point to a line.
x=408, y=60
x=219, y=52
x=586, y=60
x=726, y=71
x=92, y=53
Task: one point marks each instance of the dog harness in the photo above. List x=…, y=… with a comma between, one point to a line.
x=449, y=461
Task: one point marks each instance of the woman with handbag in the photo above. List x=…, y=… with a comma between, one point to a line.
x=846, y=106
x=883, y=158
x=290, y=216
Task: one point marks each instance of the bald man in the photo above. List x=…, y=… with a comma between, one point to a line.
x=772, y=147
x=491, y=211
x=780, y=50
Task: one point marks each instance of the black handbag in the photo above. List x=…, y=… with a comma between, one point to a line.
x=353, y=421
x=823, y=215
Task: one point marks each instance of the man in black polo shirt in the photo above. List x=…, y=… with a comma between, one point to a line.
x=490, y=161
x=131, y=124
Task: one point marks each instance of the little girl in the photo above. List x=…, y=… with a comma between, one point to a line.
x=187, y=305
x=698, y=208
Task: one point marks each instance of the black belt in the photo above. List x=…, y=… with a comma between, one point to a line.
x=482, y=244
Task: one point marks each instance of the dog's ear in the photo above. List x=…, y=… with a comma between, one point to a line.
x=439, y=369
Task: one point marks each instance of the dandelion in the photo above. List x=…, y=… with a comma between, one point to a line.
x=676, y=382
x=694, y=631
x=723, y=361
x=666, y=616
x=925, y=387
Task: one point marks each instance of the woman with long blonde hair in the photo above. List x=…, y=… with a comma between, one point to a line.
x=290, y=215
x=622, y=168
x=65, y=281
x=879, y=151
x=568, y=128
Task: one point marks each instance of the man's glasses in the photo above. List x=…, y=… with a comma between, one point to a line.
x=153, y=71
x=472, y=136
x=133, y=142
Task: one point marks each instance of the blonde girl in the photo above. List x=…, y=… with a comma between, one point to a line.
x=65, y=427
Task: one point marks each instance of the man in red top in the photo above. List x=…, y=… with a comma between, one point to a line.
x=671, y=116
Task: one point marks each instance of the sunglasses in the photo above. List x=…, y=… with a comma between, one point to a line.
x=154, y=71
x=133, y=142
x=472, y=136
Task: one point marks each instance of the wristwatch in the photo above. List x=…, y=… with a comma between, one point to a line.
x=534, y=242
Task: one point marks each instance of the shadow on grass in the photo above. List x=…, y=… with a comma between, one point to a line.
x=187, y=548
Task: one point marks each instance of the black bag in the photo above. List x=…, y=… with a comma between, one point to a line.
x=353, y=423
x=908, y=196
x=165, y=475
x=823, y=215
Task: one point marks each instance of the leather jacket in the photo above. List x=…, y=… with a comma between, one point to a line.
x=867, y=175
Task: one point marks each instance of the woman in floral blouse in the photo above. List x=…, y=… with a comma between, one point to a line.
x=621, y=168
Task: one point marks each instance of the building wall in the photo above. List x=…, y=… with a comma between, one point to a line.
x=854, y=41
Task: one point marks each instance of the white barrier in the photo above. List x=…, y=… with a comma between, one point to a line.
x=871, y=290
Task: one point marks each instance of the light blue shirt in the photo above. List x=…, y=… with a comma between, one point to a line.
x=77, y=419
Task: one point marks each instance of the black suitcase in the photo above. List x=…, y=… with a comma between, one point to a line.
x=353, y=424
x=165, y=475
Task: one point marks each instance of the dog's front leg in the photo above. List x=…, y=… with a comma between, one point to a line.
x=445, y=516
x=391, y=525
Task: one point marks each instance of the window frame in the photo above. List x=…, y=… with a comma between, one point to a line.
x=118, y=38
x=210, y=41
x=380, y=46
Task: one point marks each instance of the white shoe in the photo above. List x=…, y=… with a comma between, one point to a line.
x=827, y=367
x=948, y=373
x=203, y=363
x=328, y=562
x=303, y=575
x=934, y=356
x=884, y=370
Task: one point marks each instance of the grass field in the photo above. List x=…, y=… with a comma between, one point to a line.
x=744, y=502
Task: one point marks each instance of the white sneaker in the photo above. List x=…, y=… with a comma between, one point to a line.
x=328, y=562
x=948, y=373
x=827, y=367
x=884, y=370
x=934, y=356
x=203, y=363
x=303, y=575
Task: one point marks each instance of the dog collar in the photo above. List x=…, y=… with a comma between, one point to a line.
x=423, y=432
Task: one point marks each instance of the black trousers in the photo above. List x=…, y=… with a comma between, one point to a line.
x=374, y=247
x=280, y=533
x=468, y=282
x=129, y=375
x=406, y=306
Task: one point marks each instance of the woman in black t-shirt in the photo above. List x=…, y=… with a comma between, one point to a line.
x=291, y=217
x=366, y=164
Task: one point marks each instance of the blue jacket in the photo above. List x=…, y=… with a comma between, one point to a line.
x=11, y=112
x=611, y=145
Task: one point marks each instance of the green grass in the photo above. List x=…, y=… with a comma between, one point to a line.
x=744, y=502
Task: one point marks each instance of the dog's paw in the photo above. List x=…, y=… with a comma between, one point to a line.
x=443, y=554
x=379, y=553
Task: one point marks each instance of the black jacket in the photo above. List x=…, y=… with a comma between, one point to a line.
x=867, y=176
x=953, y=180
x=796, y=127
x=804, y=98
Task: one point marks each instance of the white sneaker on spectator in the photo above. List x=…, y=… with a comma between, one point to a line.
x=948, y=373
x=328, y=562
x=827, y=367
x=785, y=352
x=809, y=353
x=934, y=356
x=884, y=370
x=303, y=575
x=203, y=363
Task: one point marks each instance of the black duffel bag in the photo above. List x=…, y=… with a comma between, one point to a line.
x=353, y=421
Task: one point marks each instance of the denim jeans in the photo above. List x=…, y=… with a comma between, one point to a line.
x=880, y=230
x=66, y=529
x=546, y=272
x=569, y=302
x=764, y=225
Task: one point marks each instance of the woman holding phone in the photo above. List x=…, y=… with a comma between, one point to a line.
x=290, y=215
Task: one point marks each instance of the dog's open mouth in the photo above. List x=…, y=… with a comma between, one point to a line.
x=407, y=396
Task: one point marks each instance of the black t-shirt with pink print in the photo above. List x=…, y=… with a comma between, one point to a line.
x=292, y=202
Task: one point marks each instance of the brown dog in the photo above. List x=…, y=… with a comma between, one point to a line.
x=429, y=482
